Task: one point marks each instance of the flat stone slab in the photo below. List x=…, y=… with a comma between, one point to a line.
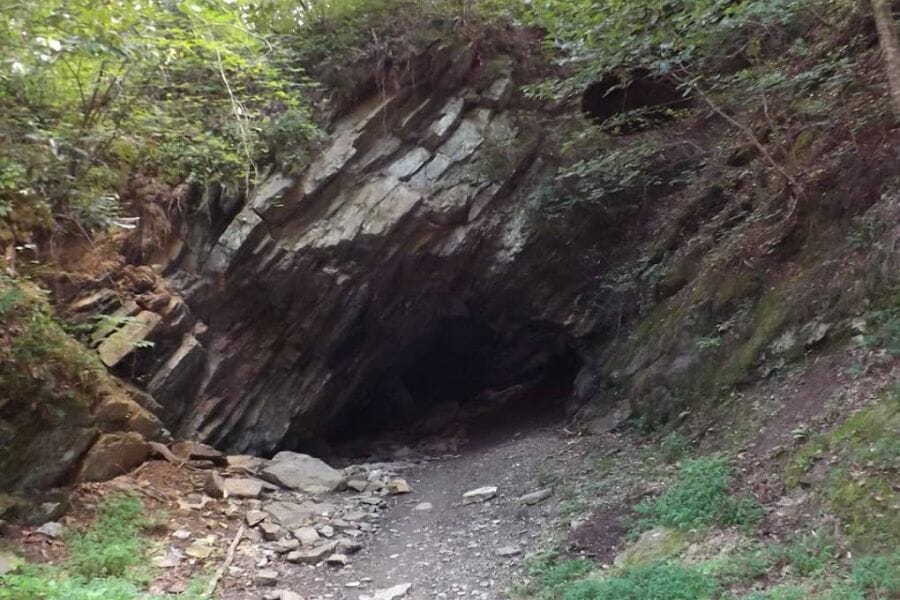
x=302, y=472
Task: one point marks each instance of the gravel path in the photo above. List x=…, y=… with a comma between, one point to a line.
x=454, y=549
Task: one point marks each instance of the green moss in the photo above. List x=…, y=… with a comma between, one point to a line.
x=49, y=382
x=653, y=546
x=863, y=455
x=769, y=316
x=867, y=507
x=41, y=360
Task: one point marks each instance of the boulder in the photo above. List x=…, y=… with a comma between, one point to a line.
x=113, y=454
x=303, y=473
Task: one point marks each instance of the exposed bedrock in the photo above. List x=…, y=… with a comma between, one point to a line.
x=412, y=239
x=432, y=252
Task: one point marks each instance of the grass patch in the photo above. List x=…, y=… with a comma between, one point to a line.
x=674, y=447
x=106, y=562
x=864, y=453
x=661, y=581
x=549, y=575
x=701, y=496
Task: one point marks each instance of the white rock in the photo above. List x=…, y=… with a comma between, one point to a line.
x=480, y=494
x=51, y=529
x=424, y=506
x=535, y=497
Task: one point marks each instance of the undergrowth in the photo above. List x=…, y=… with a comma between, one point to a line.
x=105, y=562
x=701, y=496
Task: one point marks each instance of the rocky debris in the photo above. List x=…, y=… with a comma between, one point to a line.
x=202, y=548
x=170, y=560
x=312, y=555
x=337, y=560
x=181, y=534
x=286, y=545
x=255, y=517
x=398, y=486
x=536, y=497
x=308, y=536
x=214, y=485
x=424, y=506
x=480, y=494
x=243, y=487
x=198, y=451
x=270, y=531
x=51, y=529
x=245, y=464
x=113, y=454
x=345, y=546
x=392, y=593
x=266, y=577
x=293, y=515
x=303, y=473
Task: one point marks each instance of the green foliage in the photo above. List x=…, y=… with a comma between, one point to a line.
x=700, y=497
x=106, y=562
x=661, y=581
x=879, y=575
x=661, y=37
x=112, y=546
x=674, y=447
x=549, y=575
x=885, y=324
x=97, y=90
x=41, y=361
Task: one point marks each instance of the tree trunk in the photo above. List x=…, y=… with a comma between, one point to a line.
x=890, y=49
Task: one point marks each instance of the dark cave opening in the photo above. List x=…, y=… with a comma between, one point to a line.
x=462, y=373
x=642, y=100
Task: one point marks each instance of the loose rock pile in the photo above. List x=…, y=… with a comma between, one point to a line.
x=295, y=508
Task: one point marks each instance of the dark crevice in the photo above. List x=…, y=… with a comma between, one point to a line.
x=647, y=100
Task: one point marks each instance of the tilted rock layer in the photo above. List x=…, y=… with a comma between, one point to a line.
x=437, y=204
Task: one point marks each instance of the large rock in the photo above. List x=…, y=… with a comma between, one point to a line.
x=113, y=454
x=302, y=472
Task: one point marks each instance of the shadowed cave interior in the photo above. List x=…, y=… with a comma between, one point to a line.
x=462, y=371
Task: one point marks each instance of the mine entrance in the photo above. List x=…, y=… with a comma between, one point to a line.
x=462, y=374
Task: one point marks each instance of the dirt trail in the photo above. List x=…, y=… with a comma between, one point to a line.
x=457, y=550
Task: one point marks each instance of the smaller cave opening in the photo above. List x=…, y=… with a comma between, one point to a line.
x=461, y=379
x=632, y=104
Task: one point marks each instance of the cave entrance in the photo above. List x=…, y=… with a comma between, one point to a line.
x=634, y=103
x=462, y=374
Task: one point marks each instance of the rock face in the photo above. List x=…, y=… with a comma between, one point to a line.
x=432, y=250
x=322, y=293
